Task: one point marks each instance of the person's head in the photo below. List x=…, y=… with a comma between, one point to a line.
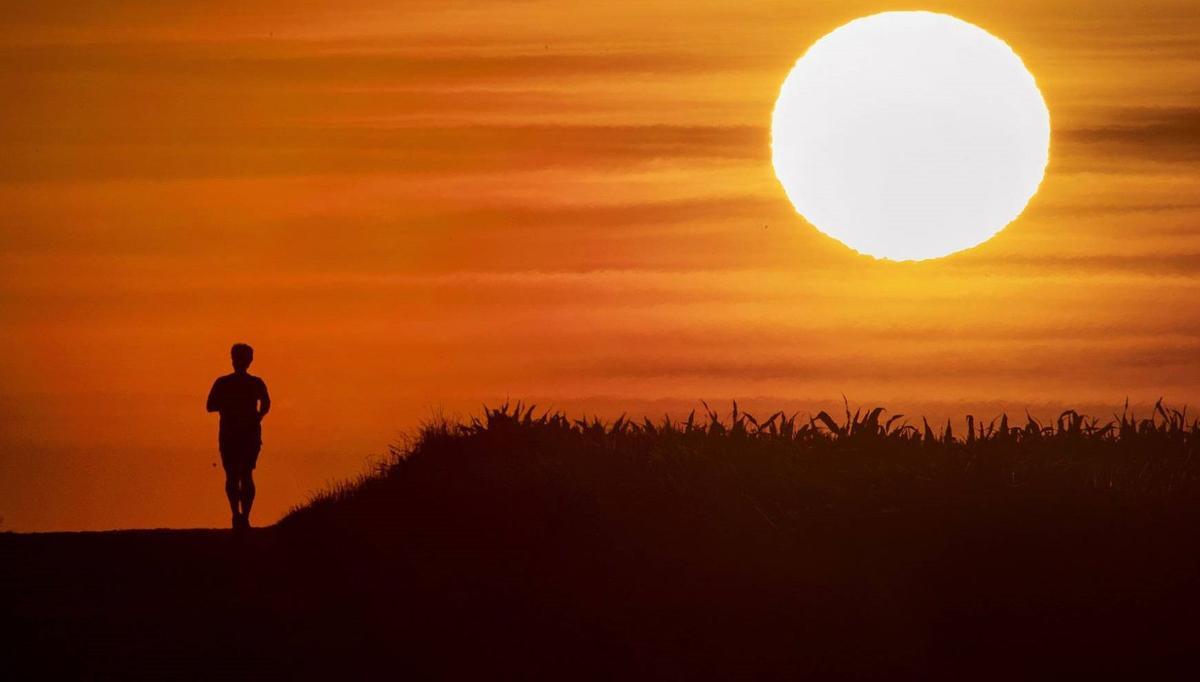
x=242, y=355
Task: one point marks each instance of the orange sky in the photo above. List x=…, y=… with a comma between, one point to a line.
x=416, y=206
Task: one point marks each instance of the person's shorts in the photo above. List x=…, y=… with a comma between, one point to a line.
x=238, y=457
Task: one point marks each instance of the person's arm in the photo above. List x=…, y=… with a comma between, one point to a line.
x=264, y=400
x=214, y=399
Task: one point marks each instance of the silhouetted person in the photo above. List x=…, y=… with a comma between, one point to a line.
x=243, y=401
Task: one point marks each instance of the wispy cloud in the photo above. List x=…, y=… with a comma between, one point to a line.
x=1161, y=134
x=202, y=151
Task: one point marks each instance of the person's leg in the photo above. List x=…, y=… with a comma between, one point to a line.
x=229, y=462
x=247, y=484
x=232, y=492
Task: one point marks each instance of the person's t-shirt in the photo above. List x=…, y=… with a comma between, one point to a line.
x=236, y=397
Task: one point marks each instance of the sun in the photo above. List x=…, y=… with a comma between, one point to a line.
x=910, y=135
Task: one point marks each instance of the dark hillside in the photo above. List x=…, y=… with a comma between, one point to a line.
x=522, y=545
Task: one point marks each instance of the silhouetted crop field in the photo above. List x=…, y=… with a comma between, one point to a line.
x=783, y=544
x=522, y=544
x=787, y=468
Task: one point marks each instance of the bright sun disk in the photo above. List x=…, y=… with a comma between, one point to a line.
x=910, y=135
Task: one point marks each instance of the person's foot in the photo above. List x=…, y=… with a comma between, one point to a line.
x=245, y=522
x=237, y=522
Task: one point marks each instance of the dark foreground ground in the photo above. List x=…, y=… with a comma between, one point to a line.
x=535, y=561
x=883, y=597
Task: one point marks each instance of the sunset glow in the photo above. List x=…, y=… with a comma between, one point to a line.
x=410, y=209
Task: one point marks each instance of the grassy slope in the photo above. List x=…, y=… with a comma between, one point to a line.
x=783, y=546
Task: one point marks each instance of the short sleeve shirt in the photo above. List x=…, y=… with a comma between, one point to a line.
x=236, y=397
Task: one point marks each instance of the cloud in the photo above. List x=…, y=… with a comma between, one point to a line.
x=202, y=152
x=1158, y=265
x=1088, y=209
x=1159, y=134
x=928, y=362
x=312, y=64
